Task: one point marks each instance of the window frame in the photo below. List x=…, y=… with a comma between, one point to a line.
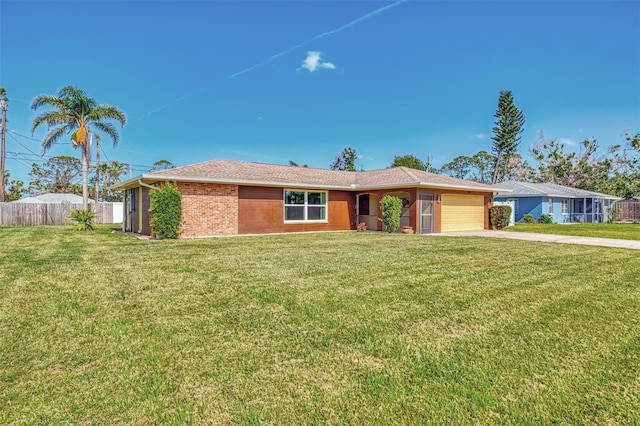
x=550, y=207
x=305, y=206
x=565, y=206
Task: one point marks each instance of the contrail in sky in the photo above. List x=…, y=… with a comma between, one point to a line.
x=277, y=55
x=318, y=37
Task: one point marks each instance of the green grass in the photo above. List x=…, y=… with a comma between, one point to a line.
x=337, y=328
x=623, y=231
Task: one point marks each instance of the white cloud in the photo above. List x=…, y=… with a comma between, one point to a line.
x=568, y=141
x=481, y=136
x=313, y=62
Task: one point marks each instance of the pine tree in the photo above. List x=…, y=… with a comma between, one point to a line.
x=508, y=126
x=346, y=160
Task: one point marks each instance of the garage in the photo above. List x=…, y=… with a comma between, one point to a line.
x=462, y=212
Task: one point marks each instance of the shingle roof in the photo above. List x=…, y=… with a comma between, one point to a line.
x=250, y=173
x=227, y=170
x=525, y=189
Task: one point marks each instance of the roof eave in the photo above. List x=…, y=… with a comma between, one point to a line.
x=369, y=187
x=151, y=178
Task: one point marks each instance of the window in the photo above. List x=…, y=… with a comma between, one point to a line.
x=565, y=206
x=550, y=205
x=132, y=199
x=305, y=206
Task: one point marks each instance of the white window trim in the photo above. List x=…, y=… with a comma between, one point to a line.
x=565, y=202
x=550, y=206
x=306, y=205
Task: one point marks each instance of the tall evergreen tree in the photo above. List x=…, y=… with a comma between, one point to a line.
x=508, y=126
x=346, y=160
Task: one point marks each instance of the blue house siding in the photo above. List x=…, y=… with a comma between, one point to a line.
x=525, y=205
x=557, y=215
x=537, y=206
x=548, y=198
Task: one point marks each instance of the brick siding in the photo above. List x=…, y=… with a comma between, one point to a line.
x=208, y=209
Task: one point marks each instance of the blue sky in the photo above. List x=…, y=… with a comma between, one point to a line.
x=274, y=81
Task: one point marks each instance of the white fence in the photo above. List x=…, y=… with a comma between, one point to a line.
x=35, y=214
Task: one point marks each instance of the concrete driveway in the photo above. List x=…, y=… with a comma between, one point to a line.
x=548, y=238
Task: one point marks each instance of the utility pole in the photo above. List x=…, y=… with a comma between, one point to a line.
x=4, y=106
x=97, y=167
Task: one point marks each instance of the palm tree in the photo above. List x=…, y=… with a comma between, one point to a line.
x=75, y=113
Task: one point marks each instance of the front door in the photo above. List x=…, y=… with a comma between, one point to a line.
x=368, y=211
x=426, y=213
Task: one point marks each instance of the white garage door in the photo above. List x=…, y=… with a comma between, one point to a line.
x=462, y=212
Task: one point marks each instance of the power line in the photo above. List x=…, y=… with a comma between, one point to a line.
x=44, y=156
x=41, y=158
x=24, y=136
x=105, y=154
x=24, y=146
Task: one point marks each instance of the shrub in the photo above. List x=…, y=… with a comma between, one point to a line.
x=528, y=218
x=391, y=208
x=361, y=227
x=84, y=219
x=500, y=216
x=545, y=218
x=166, y=211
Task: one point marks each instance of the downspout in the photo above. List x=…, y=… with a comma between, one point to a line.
x=141, y=183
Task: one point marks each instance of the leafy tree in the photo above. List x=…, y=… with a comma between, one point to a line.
x=109, y=174
x=583, y=170
x=519, y=170
x=14, y=189
x=482, y=166
x=410, y=161
x=74, y=113
x=294, y=164
x=459, y=167
x=346, y=160
x=508, y=126
x=57, y=175
x=161, y=165
x=624, y=180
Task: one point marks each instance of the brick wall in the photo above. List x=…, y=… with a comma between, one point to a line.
x=209, y=209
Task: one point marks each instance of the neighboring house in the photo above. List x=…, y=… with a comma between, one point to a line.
x=563, y=203
x=53, y=198
x=223, y=197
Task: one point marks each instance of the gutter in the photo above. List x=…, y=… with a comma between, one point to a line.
x=351, y=187
x=146, y=185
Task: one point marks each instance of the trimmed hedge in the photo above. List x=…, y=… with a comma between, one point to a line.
x=500, y=216
x=391, y=208
x=166, y=211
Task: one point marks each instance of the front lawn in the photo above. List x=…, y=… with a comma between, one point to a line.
x=622, y=231
x=338, y=328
